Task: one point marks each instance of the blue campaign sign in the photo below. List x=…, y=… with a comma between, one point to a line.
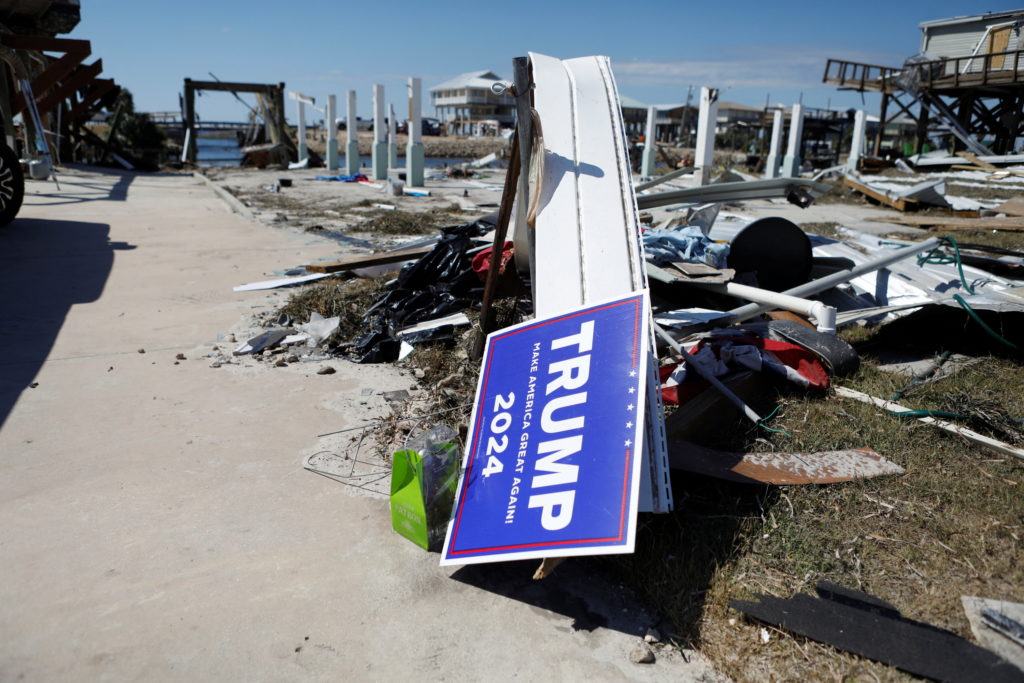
x=552, y=462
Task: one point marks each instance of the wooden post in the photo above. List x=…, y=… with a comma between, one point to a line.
x=857, y=143
x=352, y=165
x=501, y=229
x=922, y=129
x=190, y=122
x=115, y=121
x=380, y=145
x=791, y=164
x=392, y=139
x=649, y=157
x=704, y=155
x=771, y=167
x=300, y=131
x=522, y=233
x=883, y=112
x=414, y=149
x=332, y=132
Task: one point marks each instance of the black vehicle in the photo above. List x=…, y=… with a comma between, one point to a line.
x=12, y=185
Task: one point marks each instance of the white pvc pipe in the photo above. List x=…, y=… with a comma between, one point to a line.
x=824, y=315
x=997, y=446
x=830, y=281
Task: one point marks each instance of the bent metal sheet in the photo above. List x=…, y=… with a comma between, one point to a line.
x=552, y=464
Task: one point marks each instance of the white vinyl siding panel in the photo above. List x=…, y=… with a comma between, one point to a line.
x=961, y=40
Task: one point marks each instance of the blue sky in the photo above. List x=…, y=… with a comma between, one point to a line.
x=748, y=49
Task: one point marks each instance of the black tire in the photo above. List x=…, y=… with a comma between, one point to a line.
x=12, y=185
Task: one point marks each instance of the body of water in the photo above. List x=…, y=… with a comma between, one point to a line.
x=217, y=151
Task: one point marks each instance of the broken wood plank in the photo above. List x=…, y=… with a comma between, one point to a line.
x=1011, y=207
x=782, y=469
x=371, y=260
x=956, y=223
x=898, y=203
x=973, y=158
x=980, y=169
x=701, y=272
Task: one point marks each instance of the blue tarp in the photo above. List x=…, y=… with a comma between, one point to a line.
x=686, y=244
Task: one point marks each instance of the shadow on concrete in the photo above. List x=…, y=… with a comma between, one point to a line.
x=46, y=266
x=77, y=190
x=578, y=590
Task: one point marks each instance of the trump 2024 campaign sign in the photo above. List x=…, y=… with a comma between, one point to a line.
x=552, y=463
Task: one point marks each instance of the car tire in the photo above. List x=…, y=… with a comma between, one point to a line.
x=12, y=185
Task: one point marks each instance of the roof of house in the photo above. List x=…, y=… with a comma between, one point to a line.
x=627, y=102
x=473, y=79
x=737, y=106
x=1008, y=14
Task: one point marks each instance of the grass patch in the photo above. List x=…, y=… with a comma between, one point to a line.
x=952, y=525
x=1003, y=239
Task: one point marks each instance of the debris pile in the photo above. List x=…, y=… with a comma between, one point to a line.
x=630, y=356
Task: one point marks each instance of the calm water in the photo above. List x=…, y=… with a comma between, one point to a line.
x=226, y=152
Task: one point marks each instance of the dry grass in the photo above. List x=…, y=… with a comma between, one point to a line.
x=398, y=222
x=335, y=296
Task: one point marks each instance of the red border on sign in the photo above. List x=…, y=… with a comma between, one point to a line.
x=635, y=300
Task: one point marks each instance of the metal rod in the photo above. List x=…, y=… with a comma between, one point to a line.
x=719, y=192
x=664, y=178
x=736, y=400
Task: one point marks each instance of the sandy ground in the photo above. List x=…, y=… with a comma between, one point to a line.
x=158, y=524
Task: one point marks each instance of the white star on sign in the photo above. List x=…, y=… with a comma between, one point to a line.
x=629, y=407
x=629, y=425
x=628, y=443
x=632, y=390
x=632, y=373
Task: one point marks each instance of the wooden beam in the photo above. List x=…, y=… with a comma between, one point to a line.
x=75, y=53
x=100, y=87
x=977, y=162
x=234, y=87
x=81, y=76
x=371, y=260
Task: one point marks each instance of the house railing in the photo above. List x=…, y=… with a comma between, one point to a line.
x=860, y=76
x=1002, y=67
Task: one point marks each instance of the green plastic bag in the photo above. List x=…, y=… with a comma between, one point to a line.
x=423, y=480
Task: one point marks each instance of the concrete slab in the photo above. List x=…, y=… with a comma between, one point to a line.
x=157, y=522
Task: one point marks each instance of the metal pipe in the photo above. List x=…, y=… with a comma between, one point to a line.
x=821, y=284
x=672, y=175
x=736, y=400
x=720, y=192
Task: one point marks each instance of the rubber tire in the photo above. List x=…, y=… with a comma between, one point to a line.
x=12, y=185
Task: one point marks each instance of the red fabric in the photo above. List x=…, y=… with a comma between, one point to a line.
x=482, y=261
x=796, y=357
